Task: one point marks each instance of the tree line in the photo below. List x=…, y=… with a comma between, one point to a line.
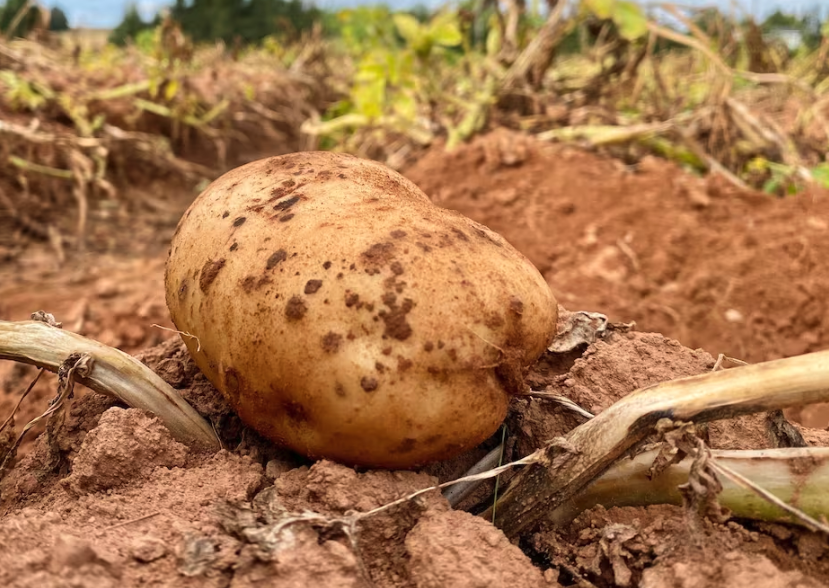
x=19, y=17
x=231, y=21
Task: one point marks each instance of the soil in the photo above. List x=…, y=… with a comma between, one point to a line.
x=110, y=499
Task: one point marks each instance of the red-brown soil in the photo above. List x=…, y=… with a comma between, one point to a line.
x=727, y=270
x=113, y=500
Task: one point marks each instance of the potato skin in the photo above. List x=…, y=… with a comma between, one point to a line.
x=345, y=316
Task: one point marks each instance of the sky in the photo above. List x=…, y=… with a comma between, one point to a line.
x=108, y=13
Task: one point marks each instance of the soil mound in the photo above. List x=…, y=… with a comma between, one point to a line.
x=731, y=271
x=73, y=512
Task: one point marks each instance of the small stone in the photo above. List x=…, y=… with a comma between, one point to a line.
x=732, y=315
x=147, y=548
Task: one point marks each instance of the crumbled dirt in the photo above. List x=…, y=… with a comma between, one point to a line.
x=117, y=501
x=126, y=444
x=108, y=498
x=655, y=547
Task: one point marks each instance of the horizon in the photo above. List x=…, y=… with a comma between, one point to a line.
x=106, y=14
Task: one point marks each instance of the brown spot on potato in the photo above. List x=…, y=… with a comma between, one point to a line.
x=209, y=272
x=182, y=289
x=453, y=354
x=339, y=390
x=286, y=218
x=379, y=367
x=428, y=346
x=226, y=214
x=378, y=254
x=516, y=305
x=296, y=308
x=312, y=286
x=494, y=320
x=440, y=344
x=295, y=411
x=406, y=446
x=289, y=183
x=232, y=382
x=432, y=439
x=286, y=204
x=368, y=383
x=251, y=283
x=486, y=235
x=248, y=284
x=276, y=257
x=398, y=234
x=426, y=248
x=331, y=342
x=403, y=363
x=461, y=235
x=397, y=326
x=397, y=268
x=234, y=247
x=239, y=221
x=326, y=265
x=351, y=298
x=386, y=351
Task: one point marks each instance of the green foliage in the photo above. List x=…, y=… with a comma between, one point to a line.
x=57, y=20
x=8, y=14
x=129, y=28
x=626, y=15
x=23, y=94
x=363, y=28
x=406, y=68
x=820, y=174
x=422, y=38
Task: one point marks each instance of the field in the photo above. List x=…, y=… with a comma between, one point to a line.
x=681, y=190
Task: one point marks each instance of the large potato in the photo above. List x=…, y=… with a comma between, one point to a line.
x=347, y=317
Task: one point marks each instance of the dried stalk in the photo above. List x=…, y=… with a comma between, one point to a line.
x=536, y=58
x=114, y=373
x=598, y=443
x=627, y=484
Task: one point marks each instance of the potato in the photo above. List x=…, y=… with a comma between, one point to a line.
x=345, y=316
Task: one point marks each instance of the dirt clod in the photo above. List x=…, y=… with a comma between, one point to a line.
x=126, y=444
x=457, y=549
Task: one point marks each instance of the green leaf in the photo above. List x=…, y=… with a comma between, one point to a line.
x=493, y=38
x=630, y=19
x=369, y=98
x=444, y=30
x=171, y=90
x=601, y=8
x=771, y=186
x=820, y=174
x=370, y=72
x=408, y=27
x=405, y=106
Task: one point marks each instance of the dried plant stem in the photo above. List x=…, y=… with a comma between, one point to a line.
x=627, y=484
x=20, y=400
x=114, y=373
x=598, y=443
